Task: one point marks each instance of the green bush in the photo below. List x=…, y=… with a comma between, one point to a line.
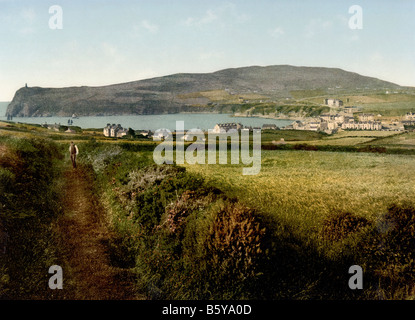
x=204, y=248
x=30, y=202
x=230, y=251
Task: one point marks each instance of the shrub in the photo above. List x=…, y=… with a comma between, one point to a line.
x=232, y=249
x=394, y=244
x=341, y=225
x=387, y=253
x=204, y=248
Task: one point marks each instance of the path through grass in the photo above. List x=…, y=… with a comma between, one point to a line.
x=85, y=235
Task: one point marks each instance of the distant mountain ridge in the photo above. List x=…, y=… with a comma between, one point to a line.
x=186, y=92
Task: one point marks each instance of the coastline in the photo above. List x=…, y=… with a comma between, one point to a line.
x=238, y=115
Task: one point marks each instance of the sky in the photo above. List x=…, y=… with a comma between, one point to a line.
x=94, y=43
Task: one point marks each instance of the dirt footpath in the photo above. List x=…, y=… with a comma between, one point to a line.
x=84, y=235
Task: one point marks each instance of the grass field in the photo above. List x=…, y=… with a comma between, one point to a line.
x=392, y=104
x=345, y=141
x=374, y=134
x=303, y=188
x=399, y=140
x=389, y=139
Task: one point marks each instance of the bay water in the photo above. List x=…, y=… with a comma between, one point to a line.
x=202, y=121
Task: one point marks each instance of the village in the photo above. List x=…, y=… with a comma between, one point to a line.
x=339, y=118
x=350, y=118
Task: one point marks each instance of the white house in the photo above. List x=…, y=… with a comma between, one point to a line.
x=225, y=127
x=366, y=125
x=115, y=131
x=333, y=102
x=161, y=134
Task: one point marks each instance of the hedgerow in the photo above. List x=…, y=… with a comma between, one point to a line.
x=29, y=202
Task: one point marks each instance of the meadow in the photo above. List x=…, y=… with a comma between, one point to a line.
x=305, y=187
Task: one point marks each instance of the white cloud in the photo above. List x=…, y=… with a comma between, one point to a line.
x=277, y=32
x=226, y=12
x=145, y=27
x=209, y=17
x=28, y=15
x=317, y=26
x=151, y=27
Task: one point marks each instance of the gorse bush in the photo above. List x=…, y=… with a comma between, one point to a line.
x=149, y=191
x=232, y=248
x=204, y=247
x=339, y=226
x=234, y=239
x=391, y=247
x=150, y=176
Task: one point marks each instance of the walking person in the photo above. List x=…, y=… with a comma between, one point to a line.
x=73, y=150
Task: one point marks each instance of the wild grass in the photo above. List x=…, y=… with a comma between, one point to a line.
x=29, y=198
x=344, y=141
x=303, y=187
x=361, y=133
x=406, y=139
x=291, y=135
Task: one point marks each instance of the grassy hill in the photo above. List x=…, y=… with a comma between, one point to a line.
x=219, y=91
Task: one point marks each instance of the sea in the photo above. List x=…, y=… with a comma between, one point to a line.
x=202, y=121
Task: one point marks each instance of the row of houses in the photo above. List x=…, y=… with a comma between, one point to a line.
x=364, y=125
x=57, y=127
x=330, y=123
x=218, y=128
x=225, y=127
